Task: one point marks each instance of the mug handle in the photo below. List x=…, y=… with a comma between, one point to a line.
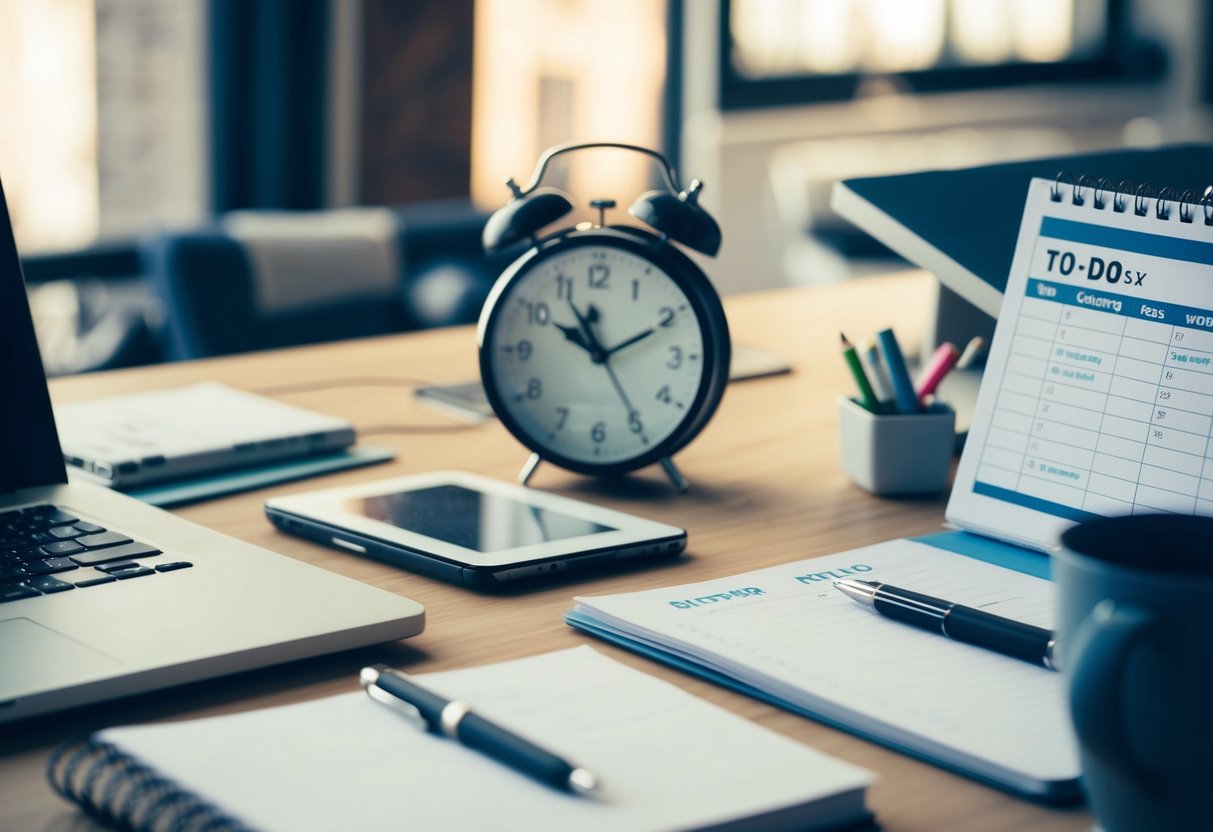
x=1096, y=692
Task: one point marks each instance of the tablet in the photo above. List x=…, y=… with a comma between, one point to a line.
x=470, y=529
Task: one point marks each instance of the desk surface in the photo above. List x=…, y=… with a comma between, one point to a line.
x=766, y=488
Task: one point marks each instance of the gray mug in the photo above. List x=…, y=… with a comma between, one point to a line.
x=1135, y=630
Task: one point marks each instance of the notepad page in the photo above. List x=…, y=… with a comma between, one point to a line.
x=787, y=631
x=1098, y=392
x=668, y=760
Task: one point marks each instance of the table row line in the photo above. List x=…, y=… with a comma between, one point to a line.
x=1103, y=351
x=1148, y=322
x=1099, y=402
x=1153, y=468
x=1190, y=460
x=1102, y=381
x=1188, y=433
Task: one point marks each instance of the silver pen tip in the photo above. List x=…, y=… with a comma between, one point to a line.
x=368, y=676
x=583, y=781
x=860, y=591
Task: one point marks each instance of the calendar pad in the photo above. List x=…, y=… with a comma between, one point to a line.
x=1097, y=397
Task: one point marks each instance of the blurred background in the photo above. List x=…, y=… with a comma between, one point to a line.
x=150, y=148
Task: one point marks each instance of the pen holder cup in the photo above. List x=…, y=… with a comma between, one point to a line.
x=897, y=453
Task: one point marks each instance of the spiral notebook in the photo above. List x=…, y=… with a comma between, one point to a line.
x=1098, y=392
x=666, y=759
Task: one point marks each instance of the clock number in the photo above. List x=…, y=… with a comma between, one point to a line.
x=524, y=349
x=537, y=313
x=598, y=432
x=634, y=423
x=564, y=287
x=562, y=418
x=675, y=358
x=663, y=395
x=599, y=276
x=635, y=289
x=534, y=389
x=667, y=316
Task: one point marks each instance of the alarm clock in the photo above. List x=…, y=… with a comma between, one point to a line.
x=603, y=348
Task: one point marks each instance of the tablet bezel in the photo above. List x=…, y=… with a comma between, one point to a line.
x=325, y=507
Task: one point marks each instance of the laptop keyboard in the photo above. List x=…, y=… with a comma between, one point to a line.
x=45, y=550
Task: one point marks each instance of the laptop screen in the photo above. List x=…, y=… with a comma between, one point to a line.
x=29, y=444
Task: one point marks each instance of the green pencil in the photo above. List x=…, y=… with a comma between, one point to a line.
x=867, y=396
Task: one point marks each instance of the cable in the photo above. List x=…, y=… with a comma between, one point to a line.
x=389, y=429
x=379, y=381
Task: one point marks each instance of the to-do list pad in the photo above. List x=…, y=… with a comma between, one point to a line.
x=1097, y=397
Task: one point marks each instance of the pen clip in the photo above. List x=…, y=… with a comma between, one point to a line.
x=378, y=694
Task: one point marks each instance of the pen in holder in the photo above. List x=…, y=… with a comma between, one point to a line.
x=908, y=453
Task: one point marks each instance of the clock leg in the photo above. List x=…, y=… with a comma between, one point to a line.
x=671, y=470
x=524, y=476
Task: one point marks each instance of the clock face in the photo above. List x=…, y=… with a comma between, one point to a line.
x=596, y=354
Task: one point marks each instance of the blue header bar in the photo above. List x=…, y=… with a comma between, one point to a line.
x=1155, y=245
x=1034, y=503
x=1173, y=314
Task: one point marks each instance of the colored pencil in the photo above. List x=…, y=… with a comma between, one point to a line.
x=899, y=375
x=877, y=375
x=867, y=397
x=971, y=353
x=941, y=363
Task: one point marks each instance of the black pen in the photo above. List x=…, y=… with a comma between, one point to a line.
x=955, y=621
x=455, y=720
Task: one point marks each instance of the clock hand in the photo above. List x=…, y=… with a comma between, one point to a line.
x=592, y=344
x=573, y=334
x=640, y=336
x=619, y=389
x=601, y=356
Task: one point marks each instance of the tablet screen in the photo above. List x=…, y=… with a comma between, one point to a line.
x=472, y=519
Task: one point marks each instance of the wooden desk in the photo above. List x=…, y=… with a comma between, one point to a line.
x=766, y=488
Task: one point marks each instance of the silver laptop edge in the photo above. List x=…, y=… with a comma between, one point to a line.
x=236, y=607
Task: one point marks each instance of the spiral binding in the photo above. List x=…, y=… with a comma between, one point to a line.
x=116, y=790
x=1168, y=202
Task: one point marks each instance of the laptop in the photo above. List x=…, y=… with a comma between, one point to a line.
x=102, y=595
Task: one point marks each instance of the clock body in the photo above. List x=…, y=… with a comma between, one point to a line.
x=604, y=349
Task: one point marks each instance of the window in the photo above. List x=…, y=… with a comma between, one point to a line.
x=103, y=105
x=796, y=51
x=553, y=71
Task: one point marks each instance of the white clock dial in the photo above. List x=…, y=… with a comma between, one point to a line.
x=596, y=354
